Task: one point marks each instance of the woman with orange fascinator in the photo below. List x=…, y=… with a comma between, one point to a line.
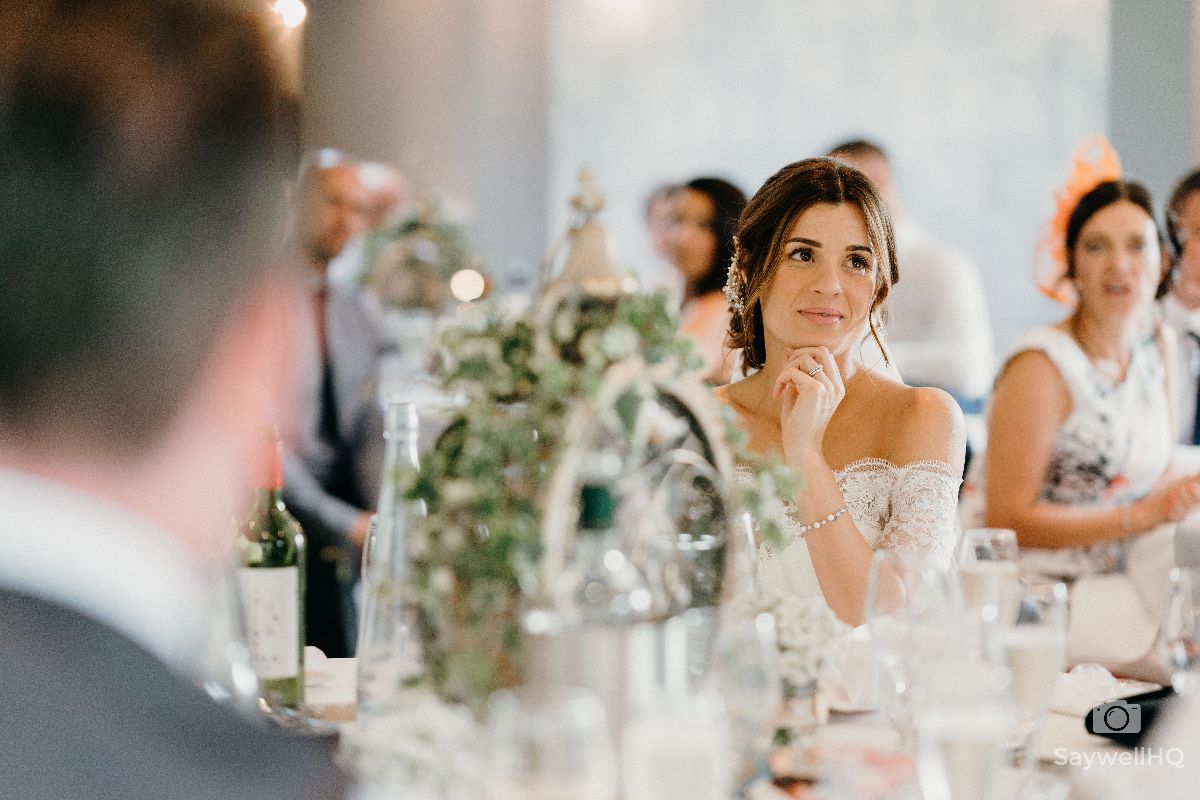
x=1080, y=427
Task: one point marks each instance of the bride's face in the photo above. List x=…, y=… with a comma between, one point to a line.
x=824, y=285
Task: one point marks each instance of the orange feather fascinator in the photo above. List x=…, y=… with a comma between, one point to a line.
x=1094, y=162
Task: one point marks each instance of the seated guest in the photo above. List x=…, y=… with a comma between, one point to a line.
x=938, y=331
x=386, y=195
x=701, y=241
x=143, y=343
x=1180, y=301
x=814, y=262
x=1080, y=431
x=332, y=462
x=658, y=214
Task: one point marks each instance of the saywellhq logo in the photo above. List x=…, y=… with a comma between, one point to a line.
x=1137, y=757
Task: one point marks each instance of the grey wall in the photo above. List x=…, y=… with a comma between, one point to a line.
x=980, y=103
x=1151, y=105
x=452, y=92
x=496, y=105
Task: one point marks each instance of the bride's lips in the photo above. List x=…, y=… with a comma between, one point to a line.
x=827, y=317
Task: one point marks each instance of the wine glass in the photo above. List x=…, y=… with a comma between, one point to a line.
x=963, y=724
x=549, y=743
x=908, y=597
x=678, y=747
x=1036, y=648
x=987, y=566
x=746, y=675
x=1179, y=633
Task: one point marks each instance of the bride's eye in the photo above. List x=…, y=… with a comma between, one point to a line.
x=860, y=263
x=801, y=254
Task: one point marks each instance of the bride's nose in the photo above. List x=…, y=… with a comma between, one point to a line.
x=827, y=280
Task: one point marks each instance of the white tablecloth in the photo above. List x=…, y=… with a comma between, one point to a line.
x=330, y=691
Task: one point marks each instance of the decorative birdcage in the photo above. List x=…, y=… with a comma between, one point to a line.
x=593, y=380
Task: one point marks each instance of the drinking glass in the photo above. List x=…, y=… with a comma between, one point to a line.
x=964, y=723
x=548, y=743
x=908, y=597
x=1036, y=648
x=987, y=567
x=1179, y=633
x=678, y=748
x=746, y=675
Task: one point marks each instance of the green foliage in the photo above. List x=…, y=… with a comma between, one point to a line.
x=479, y=547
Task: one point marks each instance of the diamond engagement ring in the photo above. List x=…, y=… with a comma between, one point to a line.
x=815, y=371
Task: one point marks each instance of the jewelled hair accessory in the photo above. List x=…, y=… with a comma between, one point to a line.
x=735, y=287
x=1094, y=162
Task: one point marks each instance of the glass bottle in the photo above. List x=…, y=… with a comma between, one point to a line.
x=608, y=588
x=270, y=587
x=389, y=653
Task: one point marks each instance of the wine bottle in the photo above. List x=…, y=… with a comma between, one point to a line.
x=270, y=584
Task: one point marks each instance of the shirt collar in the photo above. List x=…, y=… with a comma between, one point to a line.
x=79, y=550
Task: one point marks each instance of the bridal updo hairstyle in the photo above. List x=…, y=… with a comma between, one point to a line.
x=766, y=223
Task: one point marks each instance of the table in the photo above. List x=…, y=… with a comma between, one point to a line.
x=330, y=691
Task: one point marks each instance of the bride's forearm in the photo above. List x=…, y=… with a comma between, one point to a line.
x=841, y=557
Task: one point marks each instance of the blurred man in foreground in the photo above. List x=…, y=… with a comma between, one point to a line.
x=144, y=335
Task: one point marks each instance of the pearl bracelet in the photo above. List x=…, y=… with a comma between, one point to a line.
x=812, y=526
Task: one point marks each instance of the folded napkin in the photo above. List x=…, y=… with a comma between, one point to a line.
x=1089, y=685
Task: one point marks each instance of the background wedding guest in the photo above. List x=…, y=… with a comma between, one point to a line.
x=1080, y=429
x=144, y=338
x=658, y=213
x=938, y=330
x=332, y=458
x=387, y=192
x=1180, y=301
x=701, y=244
x=881, y=461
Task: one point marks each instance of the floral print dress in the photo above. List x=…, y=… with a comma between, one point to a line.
x=1111, y=450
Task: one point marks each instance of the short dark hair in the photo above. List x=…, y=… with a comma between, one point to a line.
x=856, y=148
x=1189, y=185
x=144, y=156
x=728, y=202
x=767, y=221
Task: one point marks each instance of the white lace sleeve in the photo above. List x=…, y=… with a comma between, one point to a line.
x=924, y=509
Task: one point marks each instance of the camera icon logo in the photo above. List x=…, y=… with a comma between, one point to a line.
x=1116, y=717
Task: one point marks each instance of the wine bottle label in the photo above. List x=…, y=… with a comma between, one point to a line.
x=270, y=598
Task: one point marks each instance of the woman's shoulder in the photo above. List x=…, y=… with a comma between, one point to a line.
x=921, y=424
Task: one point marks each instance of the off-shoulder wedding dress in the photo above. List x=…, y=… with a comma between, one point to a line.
x=909, y=508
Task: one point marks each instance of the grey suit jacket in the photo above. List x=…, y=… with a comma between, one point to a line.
x=87, y=713
x=329, y=480
x=332, y=484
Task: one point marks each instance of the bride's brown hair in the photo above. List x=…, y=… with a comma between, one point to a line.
x=765, y=224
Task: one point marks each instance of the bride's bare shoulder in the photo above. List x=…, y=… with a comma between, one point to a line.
x=737, y=395
x=921, y=423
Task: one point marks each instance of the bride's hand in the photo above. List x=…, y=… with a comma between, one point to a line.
x=811, y=387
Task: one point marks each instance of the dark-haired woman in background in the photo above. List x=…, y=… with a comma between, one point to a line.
x=1080, y=431
x=701, y=244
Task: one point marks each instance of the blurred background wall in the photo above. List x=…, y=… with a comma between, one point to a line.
x=495, y=105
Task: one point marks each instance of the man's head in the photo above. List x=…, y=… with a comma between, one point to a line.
x=332, y=205
x=872, y=160
x=139, y=203
x=386, y=191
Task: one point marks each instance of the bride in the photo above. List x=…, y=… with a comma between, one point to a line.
x=881, y=462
